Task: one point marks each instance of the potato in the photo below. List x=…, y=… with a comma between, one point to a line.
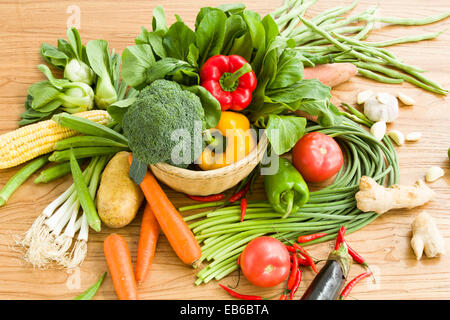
x=118, y=197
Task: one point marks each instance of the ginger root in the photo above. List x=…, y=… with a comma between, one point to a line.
x=426, y=237
x=374, y=197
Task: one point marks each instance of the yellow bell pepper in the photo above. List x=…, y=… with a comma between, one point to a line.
x=235, y=127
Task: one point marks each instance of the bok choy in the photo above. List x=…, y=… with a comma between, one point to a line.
x=105, y=65
x=48, y=95
x=69, y=56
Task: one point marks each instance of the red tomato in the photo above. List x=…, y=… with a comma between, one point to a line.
x=317, y=157
x=265, y=262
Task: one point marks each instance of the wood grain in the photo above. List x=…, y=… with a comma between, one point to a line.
x=24, y=25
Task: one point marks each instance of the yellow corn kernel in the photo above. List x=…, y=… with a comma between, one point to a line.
x=36, y=139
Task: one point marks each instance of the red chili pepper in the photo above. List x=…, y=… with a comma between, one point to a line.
x=240, y=194
x=291, y=248
x=212, y=198
x=230, y=80
x=303, y=262
x=240, y=296
x=352, y=283
x=298, y=280
x=243, y=208
x=356, y=256
x=238, y=261
x=340, y=237
x=283, y=297
x=307, y=257
x=310, y=237
x=294, y=271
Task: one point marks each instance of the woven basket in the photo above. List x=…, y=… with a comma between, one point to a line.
x=203, y=183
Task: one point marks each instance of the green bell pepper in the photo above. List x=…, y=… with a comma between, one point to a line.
x=286, y=190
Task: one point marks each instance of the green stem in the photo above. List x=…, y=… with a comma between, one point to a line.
x=229, y=81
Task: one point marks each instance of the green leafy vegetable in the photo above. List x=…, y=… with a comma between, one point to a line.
x=177, y=53
x=47, y=96
x=69, y=56
x=283, y=132
x=104, y=63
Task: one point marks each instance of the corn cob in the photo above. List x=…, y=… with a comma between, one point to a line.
x=36, y=139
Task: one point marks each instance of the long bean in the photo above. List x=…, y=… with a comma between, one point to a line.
x=330, y=32
x=396, y=74
x=378, y=77
x=413, y=21
x=409, y=39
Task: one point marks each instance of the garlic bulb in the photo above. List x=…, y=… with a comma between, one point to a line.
x=381, y=107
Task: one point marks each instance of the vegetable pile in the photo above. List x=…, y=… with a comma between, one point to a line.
x=224, y=237
x=194, y=99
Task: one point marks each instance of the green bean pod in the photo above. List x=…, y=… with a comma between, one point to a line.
x=55, y=172
x=88, y=127
x=20, y=177
x=86, y=201
x=87, y=141
x=91, y=291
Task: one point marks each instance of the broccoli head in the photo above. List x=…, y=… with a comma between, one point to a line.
x=165, y=124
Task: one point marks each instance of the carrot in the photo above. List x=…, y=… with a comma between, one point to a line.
x=170, y=220
x=331, y=74
x=148, y=237
x=120, y=267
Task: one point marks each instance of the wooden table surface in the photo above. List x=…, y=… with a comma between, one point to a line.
x=25, y=24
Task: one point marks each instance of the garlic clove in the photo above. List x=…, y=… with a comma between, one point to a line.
x=434, y=173
x=378, y=130
x=406, y=100
x=363, y=96
x=413, y=136
x=397, y=136
x=385, y=98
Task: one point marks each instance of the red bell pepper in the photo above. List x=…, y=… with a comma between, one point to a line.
x=230, y=80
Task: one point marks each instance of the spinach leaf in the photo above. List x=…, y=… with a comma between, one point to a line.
x=177, y=40
x=305, y=89
x=210, y=34
x=193, y=55
x=258, y=38
x=289, y=70
x=118, y=109
x=166, y=68
x=242, y=46
x=159, y=19
x=283, y=131
x=235, y=27
x=154, y=39
x=232, y=8
x=210, y=105
x=136, y=61
x=328, y=114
